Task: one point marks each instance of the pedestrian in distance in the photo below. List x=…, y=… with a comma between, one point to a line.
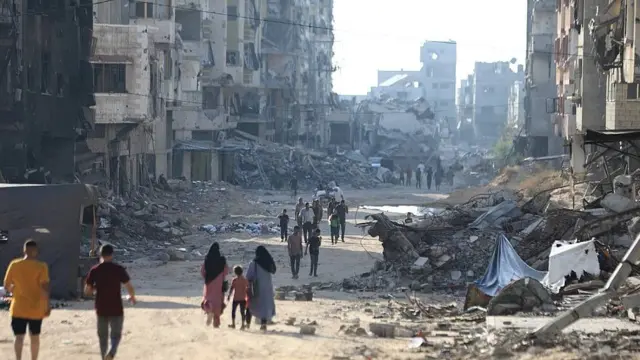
x=438, y=178
x=27, y=279
x=332, y=206
x=334, y=224
x=418, y=178
x=317, y=213
x=213, y=271
x=313, y=248
x=429, y=177
x=284, y=225
x=342, y=210
x=239, y=287
x=408, y=181
x=105, y=280
x=293, y=183
x=299, y=207
x=261, y=295
x=307, y=217
x=294, y=247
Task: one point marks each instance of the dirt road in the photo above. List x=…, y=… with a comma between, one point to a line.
x=167, y=323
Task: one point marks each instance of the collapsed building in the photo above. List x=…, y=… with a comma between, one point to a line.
x=404, y=131
x=45, y=87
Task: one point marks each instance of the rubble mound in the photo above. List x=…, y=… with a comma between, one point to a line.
x=154, y=218
x=272, y=166
x=451, y=249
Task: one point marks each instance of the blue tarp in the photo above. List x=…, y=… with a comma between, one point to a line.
x=504, y=267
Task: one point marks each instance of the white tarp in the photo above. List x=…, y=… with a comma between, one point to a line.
x=566, y=257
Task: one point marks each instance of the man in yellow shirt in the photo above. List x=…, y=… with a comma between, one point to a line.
x=28, y=280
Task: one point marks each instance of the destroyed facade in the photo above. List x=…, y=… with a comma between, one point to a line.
x=542, y=136
x=45, y=87
x=439, y=60
x=173, y=82
x=487, y=91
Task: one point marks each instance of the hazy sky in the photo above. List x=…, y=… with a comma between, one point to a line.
x=376, y=35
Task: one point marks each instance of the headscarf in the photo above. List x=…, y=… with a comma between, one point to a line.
x=264, y=259
x=214, y=263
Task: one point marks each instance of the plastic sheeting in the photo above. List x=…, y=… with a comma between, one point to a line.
x=566, y=257
x=504, y=267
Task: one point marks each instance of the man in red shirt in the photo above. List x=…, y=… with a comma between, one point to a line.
x=105, y=280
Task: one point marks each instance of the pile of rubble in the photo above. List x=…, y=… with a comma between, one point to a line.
x=153, y=219
x=272, y=166
x=252, y=228
x=451, y=249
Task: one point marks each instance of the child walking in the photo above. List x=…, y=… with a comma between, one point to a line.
x=238, y=287
x=334, y=223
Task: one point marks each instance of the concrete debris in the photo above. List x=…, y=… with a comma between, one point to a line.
x=152, y=220
x=519, y=296
x=458, y=242
x=254, y=228
x=352, y=330
x=273, y=165
x=617, y=203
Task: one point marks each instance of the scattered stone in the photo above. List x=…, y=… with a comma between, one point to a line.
x=307, y=330
x=382, y=330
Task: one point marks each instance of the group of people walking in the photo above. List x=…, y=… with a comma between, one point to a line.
x=432, y=177
x=252, y=293
x=27, y=279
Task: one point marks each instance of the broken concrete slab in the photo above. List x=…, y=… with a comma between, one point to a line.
x=617, y=203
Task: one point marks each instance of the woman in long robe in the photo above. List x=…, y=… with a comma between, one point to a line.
x=213, y=271
x=262, y=304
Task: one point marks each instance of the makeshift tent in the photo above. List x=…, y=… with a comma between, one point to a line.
x=566, y=257
x=504, y=267
x=52, y=216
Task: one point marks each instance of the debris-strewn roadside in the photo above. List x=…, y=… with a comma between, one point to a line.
x=154, y=220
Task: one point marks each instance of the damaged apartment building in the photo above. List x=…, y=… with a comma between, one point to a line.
x=580, y=80
x=542, y=135
x=297, y=70
x=45, y=88
x=608, y=31
x=220, y=84
x=178, y=79
x=135, y=51
x=439, y=60
x=486, y=96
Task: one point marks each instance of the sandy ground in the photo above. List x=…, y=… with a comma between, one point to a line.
x=167, y=323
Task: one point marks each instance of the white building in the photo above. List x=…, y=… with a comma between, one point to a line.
x=439, y=60
x=401, y=85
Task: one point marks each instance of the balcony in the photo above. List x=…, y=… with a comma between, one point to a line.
x=121, y=108
x=162, y=31
x=191, y=99
x=208, y=120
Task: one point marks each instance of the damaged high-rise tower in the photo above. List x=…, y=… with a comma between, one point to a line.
x=45, y=86
x=297, y=69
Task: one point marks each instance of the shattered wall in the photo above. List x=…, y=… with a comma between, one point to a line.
x=47, y=87
x=491, y=86
x=122, y=52
x=540, y=85
x=439, y=60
